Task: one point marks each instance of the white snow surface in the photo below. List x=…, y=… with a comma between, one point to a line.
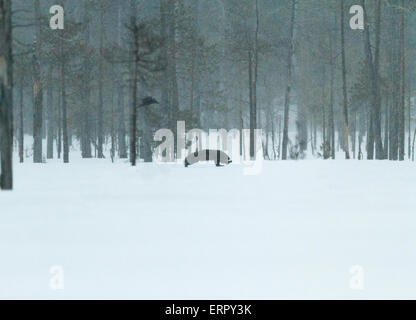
x=166, y=232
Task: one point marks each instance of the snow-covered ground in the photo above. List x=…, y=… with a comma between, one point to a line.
x=166, y=232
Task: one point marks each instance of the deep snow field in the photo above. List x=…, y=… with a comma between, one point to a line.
x=166, y=232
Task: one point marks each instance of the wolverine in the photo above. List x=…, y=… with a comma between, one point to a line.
x=219, y=157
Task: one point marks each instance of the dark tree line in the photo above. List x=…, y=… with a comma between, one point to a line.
x=294, y=69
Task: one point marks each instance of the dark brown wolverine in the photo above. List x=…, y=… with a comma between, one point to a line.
x=218, y=156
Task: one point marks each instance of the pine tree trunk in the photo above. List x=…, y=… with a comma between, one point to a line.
x=409, y=123
x=112, y=129
x=377, y=105
x=122, y=148
x=251, y=102
x=165, y=105
x=289, y=83
x=273, y=138
x=65, y=140
x=133, y=107
x=172, y=70
x=37, y=112
x=279, y=147
x=21, y=122
x=195, y=75
x=331, y=103
x=266, y=147
x=403, y=84
x=386, y=130
x=51, y=115
x=86, y=138
x=344, y=84
x=37, y=91
x=413, y=146
x=324, y=141
x=100, y=89
x=374, y=134
x=59, y=122
x=241, y=123
x=395, y=86
x=253, y=84
x=6, y=96
x=354, y=134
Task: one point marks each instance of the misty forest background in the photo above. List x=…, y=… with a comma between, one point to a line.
x=293, y=68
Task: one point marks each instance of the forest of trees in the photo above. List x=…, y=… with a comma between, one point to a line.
x=293, y=68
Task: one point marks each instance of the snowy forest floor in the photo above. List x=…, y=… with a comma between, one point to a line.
x=166, y=232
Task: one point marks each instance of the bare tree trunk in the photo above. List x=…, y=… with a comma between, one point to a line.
x=37, y=112
x=51, y=115
x=37, y=91
x=21, y=122
x=312, y=136
x=324, y=141
x=324, y=137
x=59, y=122
x=113, y=136
x=65, y=140
x=289, y=83
x=172, y=72
x=6, y=96
x=165, y=105
x=241, y=122
x=100, y=88
x=133, y=107
x=413, y=146
x=403, y=84
x=195, y=63
x=122, y=147
x=86, y=150
x=279, y=147
x=409, y=123
x=253, y=105
x=251, y=96
x=354, y=134
x=344, y=83
x=146, y=140
x=266, y=147
x=386, y=130
x=331, y=102
x=395, y=86
x=380, y=154
x=273, y=137
x=315, y=132
x=374, y=133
